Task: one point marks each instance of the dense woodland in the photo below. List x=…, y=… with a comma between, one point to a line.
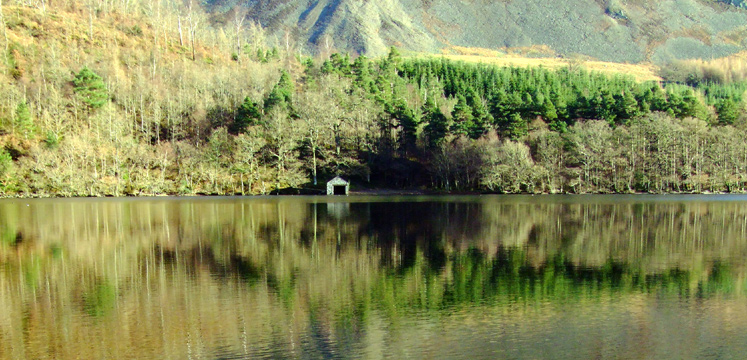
x=139, y=98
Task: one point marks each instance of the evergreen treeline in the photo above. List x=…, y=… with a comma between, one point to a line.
x=172, y=106
x=481, y=127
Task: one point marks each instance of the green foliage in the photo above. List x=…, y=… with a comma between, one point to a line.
x=281, y=95
x=437, y=125
x=462, y=116
x=273, y=54
x=90, y=88
x=260, y=56
x=23, y=123
x=361, y=70
x=688, y=106
x=627, y=108
x=341, y=64
x=309, y=71
x=248, y=114
x=481, y=118
x=559, y=126
x=52, y=140
x=327, y=67
x=728, y=112
x=517, y=126
x=6, y=163
x=408, y=121
x=394, y=58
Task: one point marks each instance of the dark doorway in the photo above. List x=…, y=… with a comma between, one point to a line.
x=340, y=190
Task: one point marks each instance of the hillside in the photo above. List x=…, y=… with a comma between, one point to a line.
x=152, y=98
x=610, y=30
x=519, y=58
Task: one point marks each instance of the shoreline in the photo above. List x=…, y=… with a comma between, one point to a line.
x=360, y=192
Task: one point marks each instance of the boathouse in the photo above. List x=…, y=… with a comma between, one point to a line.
x=338, y=186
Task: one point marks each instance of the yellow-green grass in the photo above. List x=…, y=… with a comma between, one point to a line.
x=547, y=59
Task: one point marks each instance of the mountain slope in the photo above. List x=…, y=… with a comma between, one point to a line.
x=612, y=30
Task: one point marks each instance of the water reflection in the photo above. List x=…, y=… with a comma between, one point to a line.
x=401, y=278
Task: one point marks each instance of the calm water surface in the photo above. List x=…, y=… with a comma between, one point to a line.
x=513, y=277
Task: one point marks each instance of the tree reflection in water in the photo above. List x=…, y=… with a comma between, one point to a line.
x=295, y=277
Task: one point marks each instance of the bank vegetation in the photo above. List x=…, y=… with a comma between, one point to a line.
x=146, y=98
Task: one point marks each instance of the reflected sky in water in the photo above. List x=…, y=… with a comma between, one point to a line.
x=524, y=277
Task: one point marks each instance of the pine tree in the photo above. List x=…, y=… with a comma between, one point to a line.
x=327, y=67
x=605, y=106
x=437, y=124
x=728, y=111
x=481, y=118
x=549, y=113
x=248, y=114
x=561, y=106
x=674, y=104
x=310, y=73
x=23, y=123
x=517, y=126
x=90, y=88
x=341, y=64
x=394, y=58
x=6, y=164
x=657, y=99
x=499, y=107
x=408, y=122
x=281, y=94
x=362, y=73
x=691, y=106
x=627, y=107
x=461, y=116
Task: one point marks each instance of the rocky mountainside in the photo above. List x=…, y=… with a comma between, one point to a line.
x=611, y=30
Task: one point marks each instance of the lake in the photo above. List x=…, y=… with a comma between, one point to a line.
x=461, y=277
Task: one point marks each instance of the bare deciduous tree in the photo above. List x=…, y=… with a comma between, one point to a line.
x=257, y=33
x=5, y=28
x=314, y=111
x=193, y=21
x=239, y=16
x=327, y=46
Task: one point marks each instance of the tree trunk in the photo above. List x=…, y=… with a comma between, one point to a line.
x=313, y=155
x=238, y=43
x=238, y=22
x=193, y=46
x=181, y=36
x=90, y=24
x=5, y=29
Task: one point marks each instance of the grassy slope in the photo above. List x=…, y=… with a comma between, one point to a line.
x=641, y=72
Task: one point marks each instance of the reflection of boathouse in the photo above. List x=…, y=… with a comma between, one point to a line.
x=338, y=186
x=338, y=210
